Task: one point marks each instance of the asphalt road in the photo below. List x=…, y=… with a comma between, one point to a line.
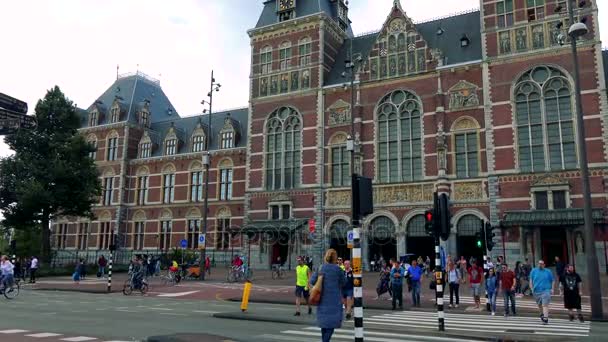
x=50, y=316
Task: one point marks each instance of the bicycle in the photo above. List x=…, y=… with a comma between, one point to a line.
x=277, y=271
x=170, y=278
x=129, y=286
x=13, y=290
x=239, y=273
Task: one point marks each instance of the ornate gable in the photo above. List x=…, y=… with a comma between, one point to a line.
x=548, y=180
x=399, y=49
x=463, y=95
x=339, y=113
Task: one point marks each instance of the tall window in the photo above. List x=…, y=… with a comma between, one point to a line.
x=138, y=235
x=198, y=143
x=536, y=9
x=225, y=184
x=112, y=148
x=285, y=56
x=93, y=153
x=93, y=118
x=305, y=51
x=83, y=235
x=145, y=150
x=504, y=13
x=196, y=186
x=340, y=166
x=193, y=230
x=227, y=139
x=165, y=235
x=399, y=138
x=108, y=190
x=550, y=199
x=142, y=189
x=145, y=118
x=106, y=235
x=467, y=156
x=170, y=147
x=222, y=233
x=545, y=126
x=283, y=148
x=168, y=188
x=62, y=235
x=115, y=114
x=266, y=60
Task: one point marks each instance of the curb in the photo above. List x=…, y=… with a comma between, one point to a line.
x=95, y=291
x=243, y=316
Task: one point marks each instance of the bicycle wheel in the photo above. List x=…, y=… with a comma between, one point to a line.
x=144, y=288
x=276, y=274
x=12, y=291
x=127, y=289
x=281, y=274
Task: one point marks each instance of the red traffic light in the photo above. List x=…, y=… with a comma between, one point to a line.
x=428, y=216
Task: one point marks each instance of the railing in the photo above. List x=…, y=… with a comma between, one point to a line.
x=140, y=74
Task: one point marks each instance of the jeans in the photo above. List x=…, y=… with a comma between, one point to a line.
x=102, y=270
x=397, y=294
x=454, y=291
x=33, y=275
x=416, y=292
x=508, y=294
x=492, y=299
x=326, y=334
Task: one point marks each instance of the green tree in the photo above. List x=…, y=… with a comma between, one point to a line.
x=50, y=174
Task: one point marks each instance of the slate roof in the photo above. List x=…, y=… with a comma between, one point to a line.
x=184, y=127
x=303, y=8
x=132, y=91
x=453, y=27
x=605, y=60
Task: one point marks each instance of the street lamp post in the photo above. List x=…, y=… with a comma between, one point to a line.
x=576, y=30
x=206, y=163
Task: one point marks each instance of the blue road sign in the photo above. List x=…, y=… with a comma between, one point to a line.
x=184, y=243
x=201, y=239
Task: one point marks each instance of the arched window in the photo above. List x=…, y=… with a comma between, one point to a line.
x=285, y=55
x=416, y=227
x=340, y=161
x=545, y=123
x=305, y=51
x=283, y=148
x=468, y=225
x=266, y=60
x=466, y=147
x=399, y=116
x=145, y=146
x=227, y=134
x=198, y=139
x=171, y=143
x=93, y=118
x=115, y=113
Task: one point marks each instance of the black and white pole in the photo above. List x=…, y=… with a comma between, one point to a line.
x=439, y=285
x=110, y=271
x=486, y=272
x=358, y=282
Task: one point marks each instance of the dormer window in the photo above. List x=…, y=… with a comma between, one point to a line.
x=145, y=146
x=170, y=147
x=93, y=118
x=227, y=134
x=144, y=118
x=115, y=114
x=464, y=41
x=198, y=143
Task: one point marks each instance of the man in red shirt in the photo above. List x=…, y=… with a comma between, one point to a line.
x=507, y=285
x=475, y=275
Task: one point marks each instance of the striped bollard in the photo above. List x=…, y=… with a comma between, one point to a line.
x=439, y=286
x=110, y=272
x=358, y=282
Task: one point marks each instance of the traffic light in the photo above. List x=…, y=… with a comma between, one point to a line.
x=479, y=238
x=444, y=217
x=489, y=236
x=363, y=198
x=429, y=223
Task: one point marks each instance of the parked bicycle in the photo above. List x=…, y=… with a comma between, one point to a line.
x=277, y=271
x=238, y=274
x=170, y=278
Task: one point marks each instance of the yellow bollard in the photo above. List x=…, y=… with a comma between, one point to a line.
x=245, y=300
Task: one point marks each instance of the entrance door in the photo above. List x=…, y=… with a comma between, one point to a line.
x=467, y=227
x=554, y=243
x=418, y=242
x=338, y=239
x=280, y=249
x=382, y=239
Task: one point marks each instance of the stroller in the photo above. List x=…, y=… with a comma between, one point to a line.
x=384, y=284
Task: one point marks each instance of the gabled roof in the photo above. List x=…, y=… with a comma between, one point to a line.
x=184, y=127
x=361, y=45
x=303, y=8
x=132, y=91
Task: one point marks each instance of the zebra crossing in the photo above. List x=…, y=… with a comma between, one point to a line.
x=393, y=327
x=27, y=335
x=520, y=303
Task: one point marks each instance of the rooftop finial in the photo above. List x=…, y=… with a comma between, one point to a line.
x=397, y=3
x=117, y=70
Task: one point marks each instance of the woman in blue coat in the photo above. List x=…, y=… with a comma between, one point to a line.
x=329, y=312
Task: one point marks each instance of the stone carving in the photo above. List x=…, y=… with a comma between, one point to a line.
x=374, y=69
x=505, y=42
x=295, y=80
x=521, y=39
x=465, y=124
x=284, y=83
x=339, y=113
x=468, y=191
x=554, y=33
x=580, y=248
x=437, y=55
x=274, y=85
x=306, y=79
x=280, y=198
x=397, y=25
x=548, y=180
x=463, y=95
x=264, y=87
x=538, y=37
x=441, y=148
x=386, y=195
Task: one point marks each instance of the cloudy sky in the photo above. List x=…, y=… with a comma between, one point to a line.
x=77, y=44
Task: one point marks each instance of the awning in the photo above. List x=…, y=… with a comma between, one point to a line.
x=274, y=226
x=559, y=217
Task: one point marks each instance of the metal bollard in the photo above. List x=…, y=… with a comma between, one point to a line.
x=245, y=300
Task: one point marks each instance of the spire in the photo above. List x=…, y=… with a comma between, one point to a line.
x=397, y=3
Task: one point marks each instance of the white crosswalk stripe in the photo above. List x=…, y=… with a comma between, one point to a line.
x=519, y=303
x=389, y=327
x=43, y=335
x=78, y=339
x=13, y=331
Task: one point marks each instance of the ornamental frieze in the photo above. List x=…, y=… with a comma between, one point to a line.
x=386, y=195
x=339, y=113
x=467, y=191
x=463, y=95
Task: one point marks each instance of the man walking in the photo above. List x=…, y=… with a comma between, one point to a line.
x=541, y=283
x=507, y=285
x=415, y=273
x=302, y=281
x=102, y=266
x=397, y=274
x=475, y=273
x=33, y=269
x=572, y=284
x=560, y=269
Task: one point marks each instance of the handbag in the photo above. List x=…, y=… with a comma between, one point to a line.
x=315, y=292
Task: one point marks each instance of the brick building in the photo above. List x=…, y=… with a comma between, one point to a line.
x=480, y=104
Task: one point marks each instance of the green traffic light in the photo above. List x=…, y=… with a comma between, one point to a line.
x=479, y=243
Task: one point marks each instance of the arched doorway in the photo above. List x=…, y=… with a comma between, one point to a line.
x=338, y=239
x=467, y=227
x=418, y=241
x=382, y=239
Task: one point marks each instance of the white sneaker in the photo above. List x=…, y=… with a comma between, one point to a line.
x=493, y=313
x=456, y=305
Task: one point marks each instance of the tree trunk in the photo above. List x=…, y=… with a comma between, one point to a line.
x=45, y=250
